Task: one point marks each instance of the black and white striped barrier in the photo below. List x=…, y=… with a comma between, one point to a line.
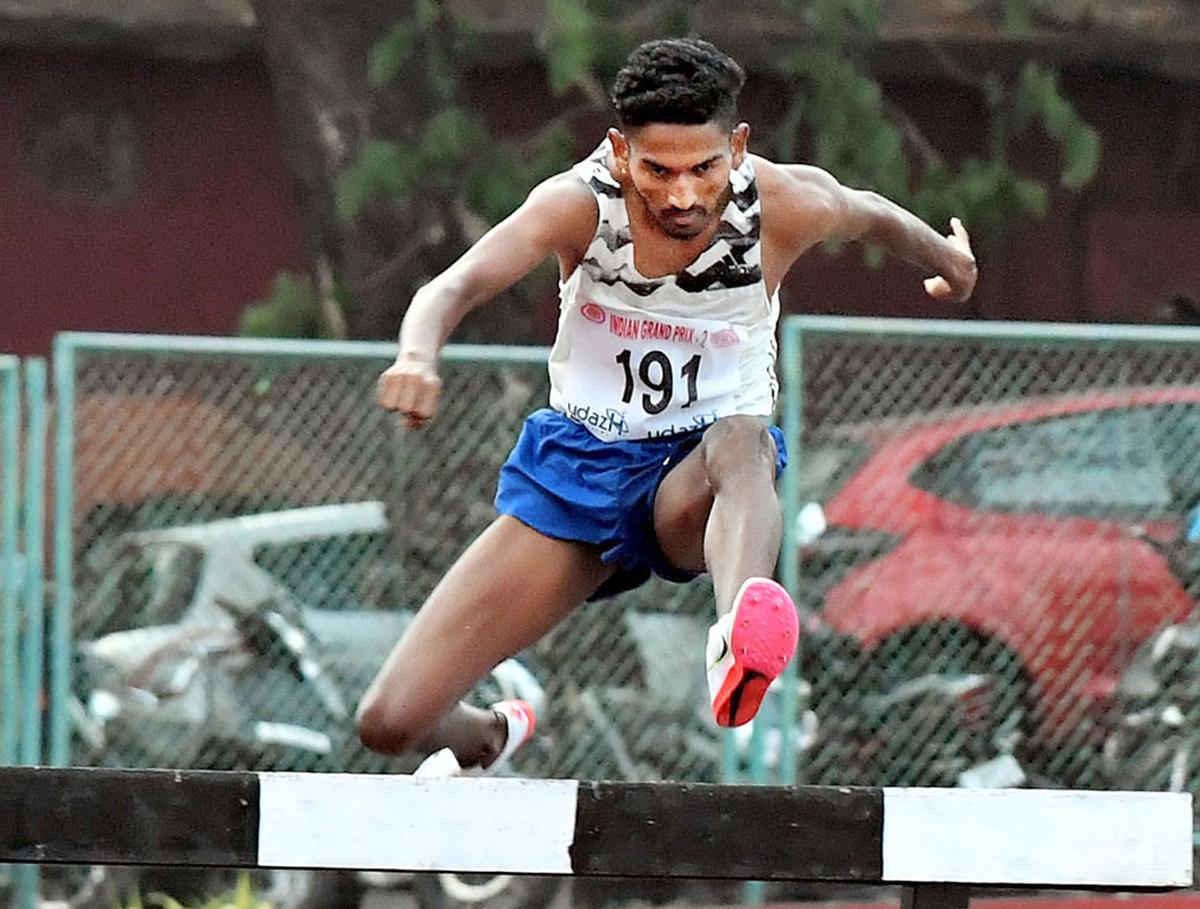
x=968, y=838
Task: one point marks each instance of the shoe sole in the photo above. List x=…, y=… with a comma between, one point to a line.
x=763, y=640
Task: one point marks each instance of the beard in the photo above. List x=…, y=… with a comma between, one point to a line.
x=686, y=224
x=683, y=225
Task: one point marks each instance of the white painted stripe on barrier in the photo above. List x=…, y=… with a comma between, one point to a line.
x=366, y=821
x=1014, y=836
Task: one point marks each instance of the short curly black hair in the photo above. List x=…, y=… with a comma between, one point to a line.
x=677, y=80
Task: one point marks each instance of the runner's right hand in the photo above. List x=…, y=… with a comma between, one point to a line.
x=410, y=387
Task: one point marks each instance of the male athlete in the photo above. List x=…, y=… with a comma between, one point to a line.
x=656, y=454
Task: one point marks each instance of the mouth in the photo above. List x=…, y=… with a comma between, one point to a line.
x=687, y=222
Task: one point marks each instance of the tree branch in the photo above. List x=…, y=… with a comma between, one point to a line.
x=913, y=134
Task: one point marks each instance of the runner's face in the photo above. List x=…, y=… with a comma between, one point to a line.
x=681, y=172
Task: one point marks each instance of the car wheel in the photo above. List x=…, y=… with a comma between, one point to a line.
x=283, y=889
x=486, y=891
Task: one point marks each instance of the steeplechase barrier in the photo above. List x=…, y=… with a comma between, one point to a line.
x=942, y=845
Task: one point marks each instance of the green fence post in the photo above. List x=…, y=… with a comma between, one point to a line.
x=33, y=661
x=793, y=398
x=10, y=486
x=10, y=428
x=27, y=877
x=64, y=501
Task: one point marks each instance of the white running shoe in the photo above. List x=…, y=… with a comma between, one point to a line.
x=748, y=647
x=439, y=765
x=521, y=722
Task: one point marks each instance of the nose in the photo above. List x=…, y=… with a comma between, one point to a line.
x=681, y=194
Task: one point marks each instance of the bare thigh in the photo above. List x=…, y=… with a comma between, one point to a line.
x=736, y=456
x=681, y=508
x=510, y=587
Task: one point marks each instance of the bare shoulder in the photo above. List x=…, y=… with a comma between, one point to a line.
x=563, y=194
x=798, y=199
x=563, y=208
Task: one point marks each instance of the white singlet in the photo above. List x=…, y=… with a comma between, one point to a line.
x=641, y=358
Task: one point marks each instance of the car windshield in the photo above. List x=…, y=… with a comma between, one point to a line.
x=151, y=584
x=1133, y=462
x=340, y=573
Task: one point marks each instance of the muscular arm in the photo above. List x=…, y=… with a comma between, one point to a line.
x=806, y=205
x=558, y=218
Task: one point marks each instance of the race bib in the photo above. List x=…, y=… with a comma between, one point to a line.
x=632, y=375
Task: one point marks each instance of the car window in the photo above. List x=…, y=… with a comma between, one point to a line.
x=145, y=585
x=340, y=572
x=1098, y=464
x=1177, y=439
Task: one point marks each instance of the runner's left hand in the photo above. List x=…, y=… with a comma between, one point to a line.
x=957, y=281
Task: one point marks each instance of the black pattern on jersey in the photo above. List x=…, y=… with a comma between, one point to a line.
x=613, y=239
x=602, y=275
x=747, y=197
x=612, y=190
x=726, y=273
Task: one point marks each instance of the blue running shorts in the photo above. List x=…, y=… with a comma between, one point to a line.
x=565, y=483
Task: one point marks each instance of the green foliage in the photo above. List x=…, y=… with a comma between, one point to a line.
x=837, y=104
x=422, y=50
x=990, y=190
x=242, y=897
x=854, y=140
x=498, y=182
x=452, y=138
x=445, y=151
x=1018, y=17
x=1040, y=97
x=569, y=43
x=858, y=139
x=383, y=168
x=290, y=311
x=392, y=53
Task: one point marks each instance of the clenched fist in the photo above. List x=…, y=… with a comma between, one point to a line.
x=958, y=282
x=410, y=387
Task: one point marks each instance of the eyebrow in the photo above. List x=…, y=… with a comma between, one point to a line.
x=650, y=162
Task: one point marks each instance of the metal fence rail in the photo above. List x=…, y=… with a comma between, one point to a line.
x=212, y=481
x=995, y=539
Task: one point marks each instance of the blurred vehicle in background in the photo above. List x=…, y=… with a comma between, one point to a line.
x=206, y=660
x=1150, y=738
x=1006, y=539
x=203, y=658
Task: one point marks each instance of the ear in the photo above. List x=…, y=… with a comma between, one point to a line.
x=620, y=146
x=738, y=141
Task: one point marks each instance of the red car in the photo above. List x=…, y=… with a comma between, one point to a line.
x=1007, y=537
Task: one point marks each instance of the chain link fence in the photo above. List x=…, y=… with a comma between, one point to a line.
x=250, y=534
x=999, y=566
x=992, y=525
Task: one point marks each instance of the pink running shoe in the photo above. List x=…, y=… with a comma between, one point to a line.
x=748, y=647
x=521, y=722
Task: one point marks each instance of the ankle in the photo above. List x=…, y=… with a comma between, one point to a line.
x=496, y=740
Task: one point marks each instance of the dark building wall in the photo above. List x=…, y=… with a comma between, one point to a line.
x=136, y=196
x=150, y=196
x=1115, y=252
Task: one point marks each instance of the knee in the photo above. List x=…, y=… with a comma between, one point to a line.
x=738, y=445
x=382, y=729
